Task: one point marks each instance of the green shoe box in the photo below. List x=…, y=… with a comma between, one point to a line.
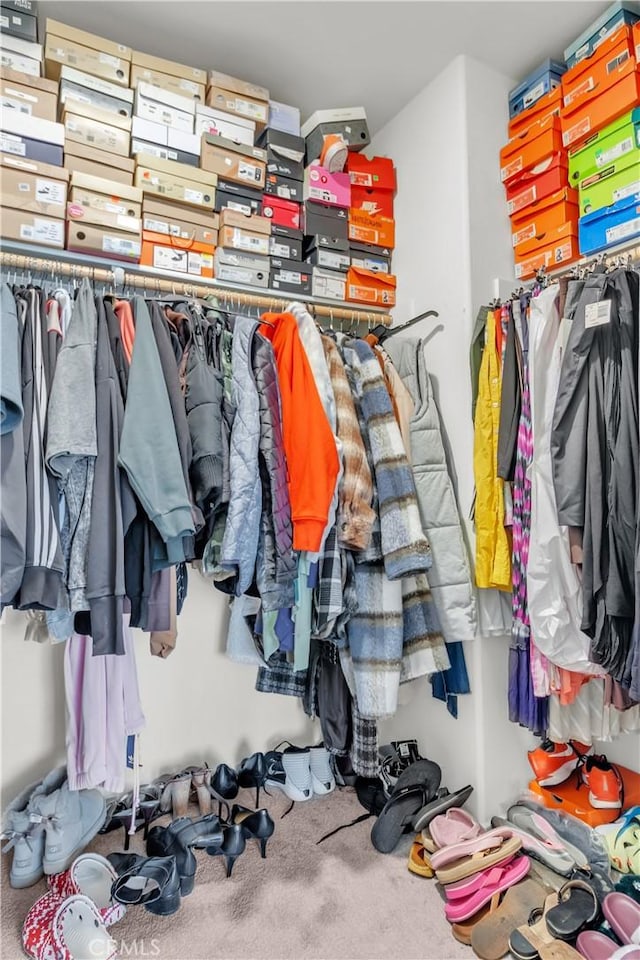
x=614, y=144
x=610, y=184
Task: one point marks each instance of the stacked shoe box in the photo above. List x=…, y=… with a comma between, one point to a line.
x=34, y=182
x=282, y=200
x=233, y=115
x=94, y=106
x=179, y=227
x=533, y=167
x=371, y=230
x=601, y=94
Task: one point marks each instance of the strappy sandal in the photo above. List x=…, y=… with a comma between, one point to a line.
x=490, y=936
x=523, y=939
x=577, y=910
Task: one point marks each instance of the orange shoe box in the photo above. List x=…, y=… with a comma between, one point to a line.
x=365, y=286
x=581, y=118
x=374, y=202
x=551, y=237
x=536, y=184
x=635, y=34
x=542, y=109
x=536, y=221
x=561, y=248
x=378, y=230
x=180, y=255
x=595, y=74
x=535, y=144
x=574, y=799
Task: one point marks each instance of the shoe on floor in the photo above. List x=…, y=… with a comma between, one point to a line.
x=290, y=771
x=91, y=876
x=25, y=838
x=70, y=819
x=553, y=763
x=606, y=789
x=322, y=778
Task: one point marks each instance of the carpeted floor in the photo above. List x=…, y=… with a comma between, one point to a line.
x=338, y=901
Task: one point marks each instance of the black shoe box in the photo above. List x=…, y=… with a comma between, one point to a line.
x=324, y=220
x=329, y=259
x=18, y=23
x=238, y=197
x=282, y=166
x=290, y=276
x=282, y=141
x=285, y=242
x=283, y=187
x=368, y=257
x=323, y=241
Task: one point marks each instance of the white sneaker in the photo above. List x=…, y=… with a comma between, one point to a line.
x=290, y=771
x=322, y=779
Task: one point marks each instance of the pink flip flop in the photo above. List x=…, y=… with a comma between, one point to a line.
x=494, y=880
x=491, y=838
x=454, y=826
x=595, y=946
x=464, y=888
x=623, y=914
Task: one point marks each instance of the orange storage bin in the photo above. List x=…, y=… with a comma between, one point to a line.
x=586, y=115
x=378, y=230
x=538, y=220
x=535, y=144
x=574, y=799
x=365, y=286
x=190, y=257
x=534, y=185
x=595, y=74
x=541, y=110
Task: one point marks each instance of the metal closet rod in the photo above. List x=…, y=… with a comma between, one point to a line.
x=193, y=288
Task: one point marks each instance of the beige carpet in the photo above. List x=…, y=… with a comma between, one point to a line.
x=338, y=901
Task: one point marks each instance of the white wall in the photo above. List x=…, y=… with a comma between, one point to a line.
x=453, y=238
x=198, y=704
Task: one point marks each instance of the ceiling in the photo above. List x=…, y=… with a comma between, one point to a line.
x=316, y=53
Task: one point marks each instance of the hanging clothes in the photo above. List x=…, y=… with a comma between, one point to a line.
x=13, y=502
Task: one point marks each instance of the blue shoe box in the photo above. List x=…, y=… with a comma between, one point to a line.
x=543, y=80
x=619, y=14
x=610, y=226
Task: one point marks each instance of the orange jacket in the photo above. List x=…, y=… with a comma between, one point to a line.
x=309, y=444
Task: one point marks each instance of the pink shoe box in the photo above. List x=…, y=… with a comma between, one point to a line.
x=322, y=186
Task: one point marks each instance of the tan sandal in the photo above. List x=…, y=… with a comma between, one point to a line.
x=480, y=860
x=490, y=937
x=419, y=862
x=463, y=931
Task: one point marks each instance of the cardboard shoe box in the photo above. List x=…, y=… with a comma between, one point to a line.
x=179, y=255
x=289, y=276
x=285, y=153
x=33, y=187
x=605, y=146
x=22, y=48
x=283, y=212
x=84, y=123
x=373, y=183
x=543, y=80
x=33, y=96
x=617, y=98
x=244, y=87
x=615, y=16
x=229, y=268
x=529, y=148
x=283, y=187
x=175, y=181
x=97, y=163
x=237, y=238
x=610, y=225
x=591, y=76
x=108, y=198
x=330, y=259
x=366, y=259
x=234, y=161
x=532, y=224
x=11, y=59
x=317, y=218
x=239, y=104
x=15, y=23
x=328, y=284
x=185, y=223
x=323, y=186
x=349, y=122
x=83, y=88
x=164, y=142
x=542, y=109
x=161, y=106
x=366, y=286
x=31, y=137
x=238, y=197
x=86, y=52
x=285, y=242
x=103, y=242
x=179, y=85
x=32, y=228
x=221, y=124
x=380, y=231
x=233, y=218
x=284, y=118
x=171, y=67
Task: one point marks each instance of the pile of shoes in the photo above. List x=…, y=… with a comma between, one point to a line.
x=553, y=764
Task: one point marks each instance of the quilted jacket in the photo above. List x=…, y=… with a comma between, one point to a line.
x=276, y=566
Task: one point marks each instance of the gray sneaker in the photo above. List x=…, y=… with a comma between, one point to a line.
x=70, y=819
x=26, y=841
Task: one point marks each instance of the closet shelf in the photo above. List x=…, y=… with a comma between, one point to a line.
x=24, y=257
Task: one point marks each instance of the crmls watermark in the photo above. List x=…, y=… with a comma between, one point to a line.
x=126, y=948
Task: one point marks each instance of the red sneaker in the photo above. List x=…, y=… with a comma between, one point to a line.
x=554, y=763
x=606, y=789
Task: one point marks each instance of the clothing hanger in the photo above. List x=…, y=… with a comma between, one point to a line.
x=383, y=333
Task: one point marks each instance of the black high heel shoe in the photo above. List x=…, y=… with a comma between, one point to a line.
x=255, y=823
x=233, y=844
x=224, y=786
x=159, y=891
x=149, y=811
x=177, y=840
x=252, y=773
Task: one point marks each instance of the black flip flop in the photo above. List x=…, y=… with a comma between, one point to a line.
x=424, y=772
x=577, y=910
x=396, y=815
x=443, y=802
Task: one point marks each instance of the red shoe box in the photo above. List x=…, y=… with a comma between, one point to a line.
x=574, y=798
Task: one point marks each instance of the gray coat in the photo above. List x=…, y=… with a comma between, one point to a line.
x=276, y=568
x=242, y=531
x=597, y=488
x=450, y=574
